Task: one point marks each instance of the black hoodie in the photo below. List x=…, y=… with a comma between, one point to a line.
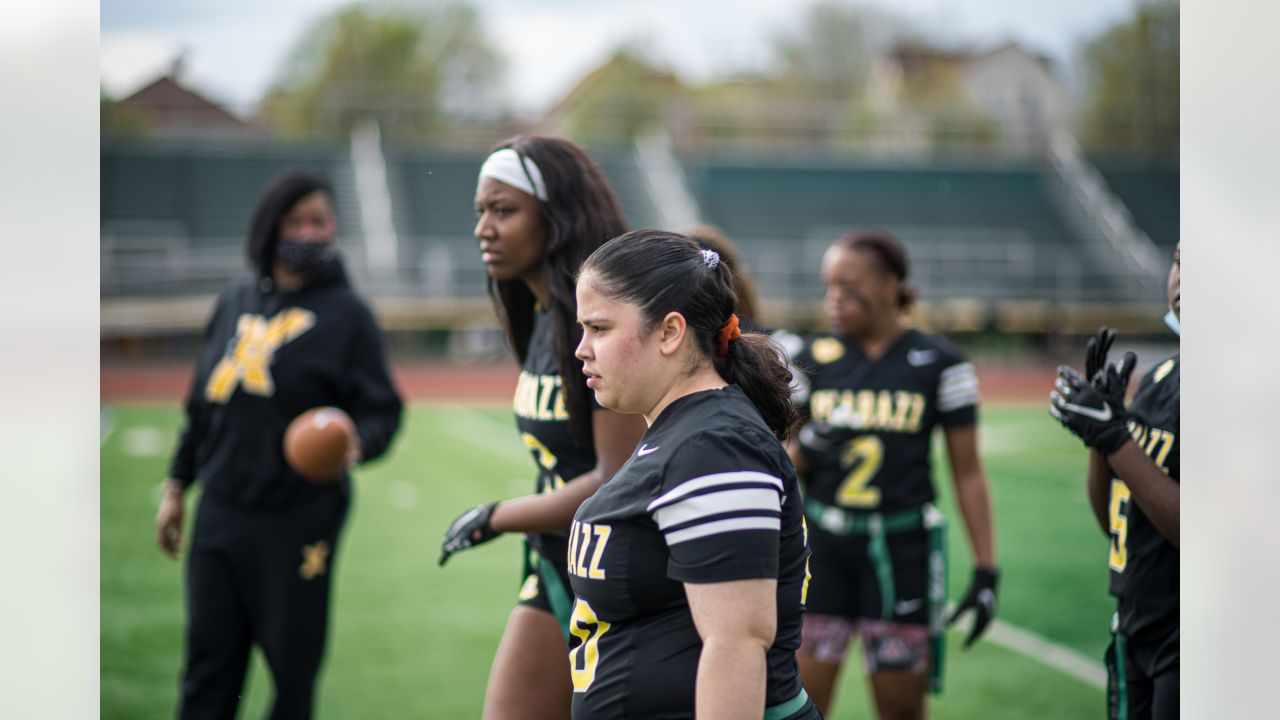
x=270, y=355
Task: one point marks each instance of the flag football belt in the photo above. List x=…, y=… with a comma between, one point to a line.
x=786, y=709
x=842, y=521
x=876, y=526
x=1117, y=683
x=558, y=596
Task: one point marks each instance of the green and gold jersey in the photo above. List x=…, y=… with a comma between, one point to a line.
x=543, y=423
x=709, y=496
x=1144, y=565
x=869, y=422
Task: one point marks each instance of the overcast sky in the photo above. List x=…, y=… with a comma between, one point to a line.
x=235, y=46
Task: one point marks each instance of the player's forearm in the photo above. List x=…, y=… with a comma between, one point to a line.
x=973, y=494
x=1154, y=491
x=1098, y=487
x=731, y=678
x=547, y=512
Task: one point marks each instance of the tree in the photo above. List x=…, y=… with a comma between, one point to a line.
x=119, y=121
x=620, y=100
x=833, y=50
x=1132, y=82
x=414, y=68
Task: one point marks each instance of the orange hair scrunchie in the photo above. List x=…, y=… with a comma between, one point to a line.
x=728, y=333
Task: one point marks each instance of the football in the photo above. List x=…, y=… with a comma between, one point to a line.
x=316, y=443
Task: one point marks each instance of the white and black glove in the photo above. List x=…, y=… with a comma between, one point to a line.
x=1095, y=411
x=472, y=528
x=981, y=598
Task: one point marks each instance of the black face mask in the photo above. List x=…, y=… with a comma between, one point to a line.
x=304, y=258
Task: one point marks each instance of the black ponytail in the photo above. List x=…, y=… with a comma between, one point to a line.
x=662, y=272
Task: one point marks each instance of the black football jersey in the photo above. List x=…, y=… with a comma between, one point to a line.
x=1144, y=565
x=709, y=496
x=869, y=422
x=543, y=422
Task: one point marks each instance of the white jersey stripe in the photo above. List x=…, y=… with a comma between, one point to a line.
x=701, y=506
x=957, y=387
x=707, y=481
x=720, y=527
x=959, y=369
x=959, y=391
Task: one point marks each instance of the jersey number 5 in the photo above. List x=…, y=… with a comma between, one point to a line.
x=587, y=629
x=862, y=458
x=1119, y=510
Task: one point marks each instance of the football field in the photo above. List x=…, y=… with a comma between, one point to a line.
x=411, y=640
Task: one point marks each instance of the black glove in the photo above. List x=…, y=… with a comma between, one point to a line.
x=1095, y=355
x=472, y=528
x=981, y=598
x=1095, y=413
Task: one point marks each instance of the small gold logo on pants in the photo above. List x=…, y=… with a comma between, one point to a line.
x=314, y=559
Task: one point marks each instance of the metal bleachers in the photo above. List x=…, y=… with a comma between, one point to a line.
x=973, y=232
x=434, y=190
x=174, y=216
x=1150, y=190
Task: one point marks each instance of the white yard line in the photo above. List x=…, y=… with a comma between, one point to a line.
x=1044, y=651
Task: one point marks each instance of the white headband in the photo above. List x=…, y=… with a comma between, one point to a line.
x=504, y=166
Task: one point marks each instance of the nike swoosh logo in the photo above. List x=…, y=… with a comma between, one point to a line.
x=645, y=450
x=921, y=357
x=1102, y=415
x=902, y=607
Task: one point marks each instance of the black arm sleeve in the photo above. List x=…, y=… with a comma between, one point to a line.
x=183, y=466
x=369, y=396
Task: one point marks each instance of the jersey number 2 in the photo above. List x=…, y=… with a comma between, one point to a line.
x=862, y=458
x=1119, y=525
x=587, y=628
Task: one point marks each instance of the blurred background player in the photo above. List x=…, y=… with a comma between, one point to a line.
x=543, y=207
x=1133, y=482
x=872, y=391
x=292, y=337
x=689, y=565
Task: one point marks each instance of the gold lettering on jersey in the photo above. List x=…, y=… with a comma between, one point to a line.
x=584, y=543
x=1118, y=512
x=602, y=538
x=917, y=412
x=873, y=410
x=572, y=548
x=827, y=350
x=822, y=402
x=902, y=407
x=543, y=455
x=865, y=406
x=247, y=364
x=538, y=397
x=581, y=538
x=1155, y=442
x=884, y=411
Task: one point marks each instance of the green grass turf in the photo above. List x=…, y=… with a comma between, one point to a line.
x=411, y=640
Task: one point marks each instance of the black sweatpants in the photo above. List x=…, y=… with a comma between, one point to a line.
x=258, y=577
